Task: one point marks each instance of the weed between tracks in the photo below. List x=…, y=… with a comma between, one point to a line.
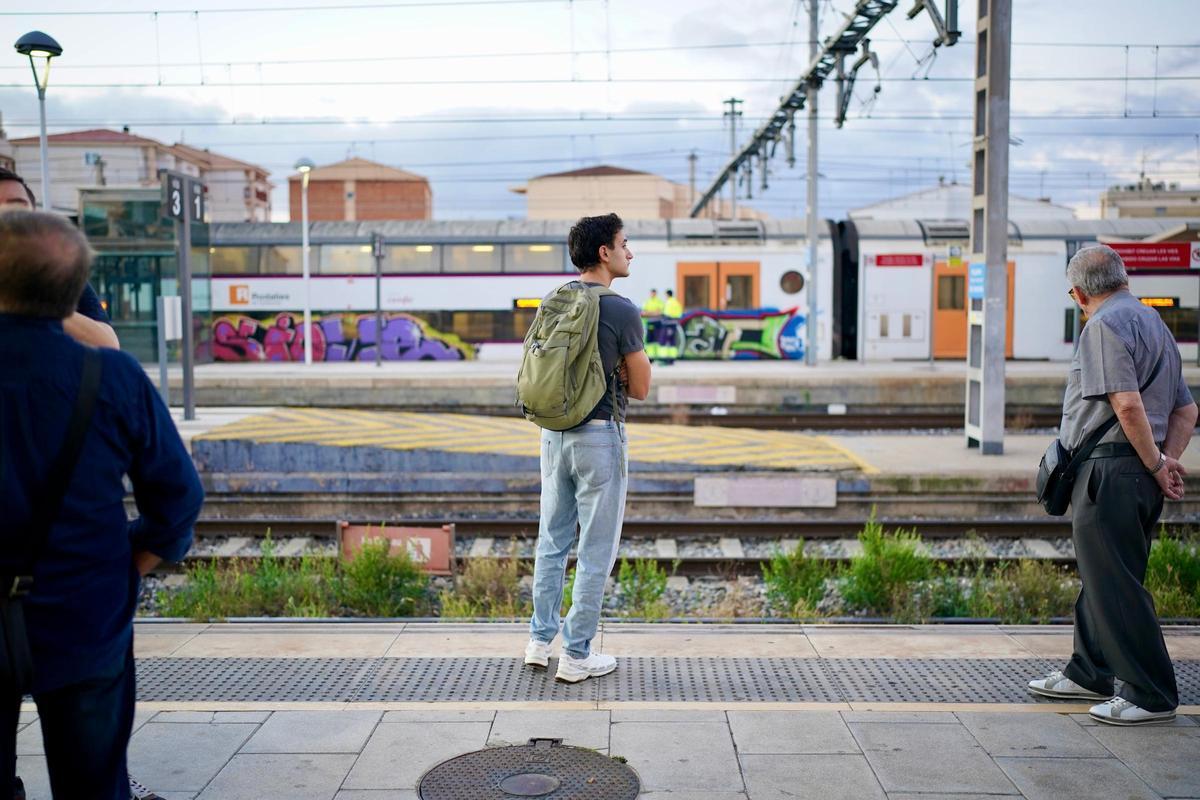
x=892, y=577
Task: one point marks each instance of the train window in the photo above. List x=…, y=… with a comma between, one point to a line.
x=906, y=326
x=883, y=325
x=472, y=258
x=233, y=260
x=739, y=291
x=413, y=258
x=1181, y=322
x=535, y=258
x=791, y=282
x=951, y=292
x=346, y=259
x=283, y=261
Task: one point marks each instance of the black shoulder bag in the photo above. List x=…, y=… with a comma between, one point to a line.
x=16, y=659
x=1058, y=468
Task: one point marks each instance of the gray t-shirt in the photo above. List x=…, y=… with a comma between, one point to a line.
x=620, y=333
x=1118, y=350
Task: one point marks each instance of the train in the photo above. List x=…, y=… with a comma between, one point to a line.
x=886, y=290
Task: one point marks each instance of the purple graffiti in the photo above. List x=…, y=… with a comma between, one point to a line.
x=279, y=338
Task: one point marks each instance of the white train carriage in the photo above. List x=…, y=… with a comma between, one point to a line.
x=477, y=283
x=904, y=283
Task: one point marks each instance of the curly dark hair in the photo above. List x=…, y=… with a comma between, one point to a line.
x=588, y=235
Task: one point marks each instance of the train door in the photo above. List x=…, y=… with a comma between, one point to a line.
x=950, y=310
x=718, y=285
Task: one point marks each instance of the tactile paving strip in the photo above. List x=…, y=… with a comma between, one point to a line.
x=728, y=680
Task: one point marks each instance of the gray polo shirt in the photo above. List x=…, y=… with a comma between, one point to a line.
x=1118, y=350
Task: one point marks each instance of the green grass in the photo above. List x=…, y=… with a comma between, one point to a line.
x=878, y=578
x=1173, y=574
x=642, y=584
x=375, y=584
x=487, y=587
x=796, y=583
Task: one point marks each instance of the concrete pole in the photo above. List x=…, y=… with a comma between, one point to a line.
x=733, y=114
x=304, y=258
x=692, y=178
x=810, y=348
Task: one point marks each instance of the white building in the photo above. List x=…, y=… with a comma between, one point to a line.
x=237, y=191
x=953, y=201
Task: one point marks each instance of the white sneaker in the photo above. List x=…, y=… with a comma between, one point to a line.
x=574, y=670
x=1120, y=711
x=1060, y=686
x=537, y=654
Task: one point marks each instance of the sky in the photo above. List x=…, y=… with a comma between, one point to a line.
x=481, y=96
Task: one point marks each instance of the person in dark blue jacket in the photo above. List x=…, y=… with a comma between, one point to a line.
x=80, y=611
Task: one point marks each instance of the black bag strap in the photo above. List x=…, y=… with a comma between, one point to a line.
x=48, y=500
x=1093, y=439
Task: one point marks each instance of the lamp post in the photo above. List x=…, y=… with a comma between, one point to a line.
x=36, y=44
x=305, y=166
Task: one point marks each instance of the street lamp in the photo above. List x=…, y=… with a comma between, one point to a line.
x=36, y=44
x=305, y=166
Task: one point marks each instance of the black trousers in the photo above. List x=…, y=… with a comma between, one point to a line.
x=85, y=730
x=1115, y=507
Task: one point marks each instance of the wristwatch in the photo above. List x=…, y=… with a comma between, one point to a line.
x=1162, y=460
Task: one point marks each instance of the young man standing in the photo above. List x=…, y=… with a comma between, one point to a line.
x=585, y=468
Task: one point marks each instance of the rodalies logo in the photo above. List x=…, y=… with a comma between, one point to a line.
x=239, y=295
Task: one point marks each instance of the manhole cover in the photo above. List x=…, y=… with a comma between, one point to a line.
x=543, y=768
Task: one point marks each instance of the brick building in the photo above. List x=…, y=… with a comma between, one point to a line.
x=357, y=189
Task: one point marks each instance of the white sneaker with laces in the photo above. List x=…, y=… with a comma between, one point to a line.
x=574, y=670
x=1120, y=711
x=537, y=654
x=1061, y=687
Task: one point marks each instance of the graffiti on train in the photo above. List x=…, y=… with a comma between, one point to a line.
x=335, y=337
x=765, y=333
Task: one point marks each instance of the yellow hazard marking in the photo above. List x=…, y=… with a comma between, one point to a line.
x=465, y=433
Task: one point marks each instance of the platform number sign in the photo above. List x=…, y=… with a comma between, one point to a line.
x=181, y=190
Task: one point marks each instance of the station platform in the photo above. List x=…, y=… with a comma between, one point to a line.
x=697, y=470
x=737, y=386
x=703, y=712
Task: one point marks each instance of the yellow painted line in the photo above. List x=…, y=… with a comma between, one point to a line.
x=867, y=468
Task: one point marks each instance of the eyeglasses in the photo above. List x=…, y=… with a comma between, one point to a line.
x=1071, y=293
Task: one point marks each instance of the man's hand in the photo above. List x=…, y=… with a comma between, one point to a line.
x=145, y=561
x=1170, y=478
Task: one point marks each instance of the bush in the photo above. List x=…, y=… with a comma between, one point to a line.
x=1023, y=592
x=642, y=584
x=1173, y=575
x=487, y=587
x=374, y=584
x=379, y=584
x=880, y=576
x=796, y=583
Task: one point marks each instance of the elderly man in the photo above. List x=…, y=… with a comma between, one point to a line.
x=74, y=423
x=1127, y=364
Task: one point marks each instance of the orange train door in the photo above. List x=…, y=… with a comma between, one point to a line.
x=950, y=310
x=718, y=286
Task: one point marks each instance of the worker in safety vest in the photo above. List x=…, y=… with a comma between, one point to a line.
x=668, y=349
x=652, y=311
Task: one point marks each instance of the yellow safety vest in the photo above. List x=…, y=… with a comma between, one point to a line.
x=673, y=309
x=653, y=306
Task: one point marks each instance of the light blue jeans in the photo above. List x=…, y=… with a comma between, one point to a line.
x=584, y=477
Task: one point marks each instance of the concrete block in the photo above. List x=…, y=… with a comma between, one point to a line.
x=814, y=777
x=751, y=492
x=182, y=758
x=851, y=547
x=482, y=547
x=1165, y=758
x=1074, y=778
x=697, y=394
x=666, y=548
x=677, y=583
x=1040, y=548
x=294, y=547
x=398, y=754
x=773, y=733
x=680, y=757
x=296, y=777
x=314, y=732
x=732, y=548
x=576, y=728
x=1038, y=735
x=900, y=754
x=232, y=546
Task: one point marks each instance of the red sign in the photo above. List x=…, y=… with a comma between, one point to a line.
x=431, y=548
x=1157, y=255
x=900, y=260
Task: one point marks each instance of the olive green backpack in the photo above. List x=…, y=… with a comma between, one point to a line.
x=561, y=378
